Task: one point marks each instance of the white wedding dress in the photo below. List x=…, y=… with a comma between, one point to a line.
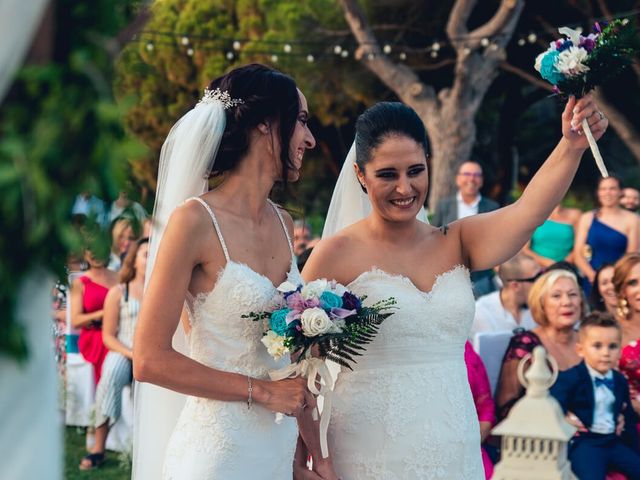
x=226, y=440
x=406, y=411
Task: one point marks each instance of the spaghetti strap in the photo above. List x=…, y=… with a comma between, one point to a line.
x=215, y=225
x=284, y=227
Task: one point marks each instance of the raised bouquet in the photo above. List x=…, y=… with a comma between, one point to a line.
x=315, y=322
x=577, y=64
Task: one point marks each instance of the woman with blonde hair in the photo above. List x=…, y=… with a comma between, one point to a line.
x=557, y=304
x=626, y=280
x=122, y=235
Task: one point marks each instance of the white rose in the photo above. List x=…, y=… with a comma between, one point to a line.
x=538, y=64
x=275, y=344
x=286, y=287
x=315, y=321
x=338, y=288
x=570, y=61
x=314, y=289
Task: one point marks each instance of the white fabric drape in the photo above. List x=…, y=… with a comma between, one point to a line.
x=19, y=20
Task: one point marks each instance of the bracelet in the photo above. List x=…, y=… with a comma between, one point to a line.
x=250, y=390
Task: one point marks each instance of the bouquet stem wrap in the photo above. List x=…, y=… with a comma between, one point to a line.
x=594, y=149
x=310, y=368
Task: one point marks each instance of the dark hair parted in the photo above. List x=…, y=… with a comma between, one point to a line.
x=596, y=300
x=268, y=96
x=383, y=120
x=599, y=319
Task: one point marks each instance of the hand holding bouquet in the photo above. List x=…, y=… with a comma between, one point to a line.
x=577, y=64
x=322, y=317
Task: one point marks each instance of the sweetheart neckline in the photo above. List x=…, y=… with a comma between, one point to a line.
x=405, y=279
x=202, y=296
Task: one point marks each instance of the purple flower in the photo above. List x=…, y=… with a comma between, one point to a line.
x=350, y=301
x=342, y=313
x=296, y=301
x=589, y=42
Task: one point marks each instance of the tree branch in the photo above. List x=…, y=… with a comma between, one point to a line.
x=622, y=126
x=458, y=17
x=504, y=21
x=507, y=67
x=399, y=78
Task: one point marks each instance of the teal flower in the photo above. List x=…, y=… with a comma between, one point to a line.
x=548, y=69
x=330, y=300
x=278, y=321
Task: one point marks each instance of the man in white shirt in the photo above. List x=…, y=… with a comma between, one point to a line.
x=506, y=309
x=466, y=202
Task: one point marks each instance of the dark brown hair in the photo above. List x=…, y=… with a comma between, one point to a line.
x=599, y=319
x=128, y=269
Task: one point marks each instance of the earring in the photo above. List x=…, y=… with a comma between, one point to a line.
x=364, y=189
x=623, y=308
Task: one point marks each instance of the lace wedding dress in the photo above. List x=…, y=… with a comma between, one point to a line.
x=406, y=410
x=226, y=440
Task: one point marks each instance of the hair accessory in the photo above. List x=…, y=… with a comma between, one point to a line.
x=217, y=95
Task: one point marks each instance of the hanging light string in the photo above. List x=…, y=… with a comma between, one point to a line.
x=314, y=50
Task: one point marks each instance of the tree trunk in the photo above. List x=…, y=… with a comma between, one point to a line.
x=449, y=115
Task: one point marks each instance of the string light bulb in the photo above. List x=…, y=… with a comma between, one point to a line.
x=185, y=41
x=190, y=52
x=150, y=47
x=435, y=47
x=522, y=42
x=230, y=55
x=403, y=56
x=344, y=53
x=532, y=37
x=237, y=45
x=484, y=42
x=287, y=48
x=387, y=49
x=337, y=49
x=310, y=58
x=274, y=58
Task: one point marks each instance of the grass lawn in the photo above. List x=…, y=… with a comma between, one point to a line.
x=112, y=468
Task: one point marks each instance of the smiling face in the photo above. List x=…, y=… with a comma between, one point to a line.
x=469, y=179
x=562, y=304
x=630, y=199
x=631, y=288
x=609, y=192
x=396, y=178
x=141, y=259
x=301, y=140
x=606, y=287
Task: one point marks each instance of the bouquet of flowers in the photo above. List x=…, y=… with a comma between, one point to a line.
x=577, y=64
x=323, y=318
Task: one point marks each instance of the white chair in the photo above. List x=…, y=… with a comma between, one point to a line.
x=80, y=383
x=491, y=347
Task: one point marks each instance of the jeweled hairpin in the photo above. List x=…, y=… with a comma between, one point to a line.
x=217, y=95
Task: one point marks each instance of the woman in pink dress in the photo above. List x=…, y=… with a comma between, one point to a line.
x=481, y=391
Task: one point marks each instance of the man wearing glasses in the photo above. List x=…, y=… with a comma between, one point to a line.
x=466, y=202
x=506, y=309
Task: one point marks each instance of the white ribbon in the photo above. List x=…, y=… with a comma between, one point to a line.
x=310, y=368
x=594, y=149
x=573, y=35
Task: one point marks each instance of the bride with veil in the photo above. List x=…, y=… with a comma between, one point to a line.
x=406, y=410
x=204, y=402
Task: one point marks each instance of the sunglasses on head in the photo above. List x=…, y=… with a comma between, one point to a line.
x=528, y=279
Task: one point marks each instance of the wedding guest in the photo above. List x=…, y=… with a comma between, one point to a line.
x=603, y=296
x=626, y=280
x=123, y=206
x=466, y=202
x=592, y=395
x=89, y=207
x=481, y=392
x=87, y=300
x=607, y=233
x=553, y=240
x=122, y=235
x=121, y=308
x=301, y=236
x=557, y=305
x=506, y=309
x=630, y=199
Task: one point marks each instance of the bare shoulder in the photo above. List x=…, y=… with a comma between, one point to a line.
x=286, y=216
x=189, y=217
x=586, y=218
x=329, y=257
x=114, y=294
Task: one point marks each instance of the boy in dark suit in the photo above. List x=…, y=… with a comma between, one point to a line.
x=594, y=395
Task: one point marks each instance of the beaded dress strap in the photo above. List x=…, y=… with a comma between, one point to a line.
x=284, y=226
x=215, y=225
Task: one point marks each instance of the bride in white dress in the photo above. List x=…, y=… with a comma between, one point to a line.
x=223, y=252
x=406, y=410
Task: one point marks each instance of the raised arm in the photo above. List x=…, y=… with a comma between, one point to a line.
x=154, y=358
x=492, y=238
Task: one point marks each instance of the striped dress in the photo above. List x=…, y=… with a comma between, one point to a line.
x=117, y=370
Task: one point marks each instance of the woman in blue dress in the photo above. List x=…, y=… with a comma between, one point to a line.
x=607, y=233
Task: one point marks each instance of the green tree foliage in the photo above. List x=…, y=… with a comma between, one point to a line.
x=60, y=133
